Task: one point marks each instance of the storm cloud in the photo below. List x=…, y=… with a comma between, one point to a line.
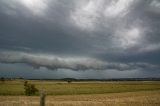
x=51, y=62
x=81, y=35
x=73, y=63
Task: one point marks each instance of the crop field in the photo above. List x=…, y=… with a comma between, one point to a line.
x=83, y=93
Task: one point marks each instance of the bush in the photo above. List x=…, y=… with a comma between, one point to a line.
x=2, y=79
x=69, y=81
x=30, y=89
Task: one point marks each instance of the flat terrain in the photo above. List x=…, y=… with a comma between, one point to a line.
x=85, y=93
x=141, y=98
x=76, y=88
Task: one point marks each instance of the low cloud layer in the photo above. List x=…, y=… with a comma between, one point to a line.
x=52, y=62
x=73, y=63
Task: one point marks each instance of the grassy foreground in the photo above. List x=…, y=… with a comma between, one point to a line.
x=140, y=98
x=86, y=93
x=16, y=87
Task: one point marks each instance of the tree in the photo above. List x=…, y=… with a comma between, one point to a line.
x=69, y=81
x=2, y=79
x=30, y=89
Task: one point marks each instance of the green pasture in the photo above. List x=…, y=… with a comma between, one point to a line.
x=16, y=87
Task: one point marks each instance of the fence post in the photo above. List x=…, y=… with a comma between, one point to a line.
x=42, y=98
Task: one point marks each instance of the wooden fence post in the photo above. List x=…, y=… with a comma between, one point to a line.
x=42, y=98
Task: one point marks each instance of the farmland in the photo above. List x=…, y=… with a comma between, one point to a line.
x=88, y=93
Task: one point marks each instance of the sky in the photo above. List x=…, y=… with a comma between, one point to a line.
x=80, y=39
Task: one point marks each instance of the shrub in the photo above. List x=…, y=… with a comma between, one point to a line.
x=30, y=89
x=2, y=79
x=69, y=81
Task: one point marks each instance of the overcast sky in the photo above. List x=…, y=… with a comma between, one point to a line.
x=80, y=38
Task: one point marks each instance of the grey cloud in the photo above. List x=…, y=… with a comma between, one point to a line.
x=51, y=61
x=73, y=63
x=120, y=34
x=67, y=20
x=21, y=70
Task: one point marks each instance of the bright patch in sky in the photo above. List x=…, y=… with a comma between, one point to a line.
x=128, y=37
x=117, y=7
x=155, y=3
x=36, y=6
x=87, y=14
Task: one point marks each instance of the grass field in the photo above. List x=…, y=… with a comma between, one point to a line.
x=76, y=88
x=140, y=98
x=86, y=93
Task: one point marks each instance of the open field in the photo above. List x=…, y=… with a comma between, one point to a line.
x=76, y=88
x=85, y=93
x=140, y=98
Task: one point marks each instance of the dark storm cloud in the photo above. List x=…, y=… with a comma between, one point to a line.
x=29, y=30
x=52, y=62
x=73, y=63
x=114, y=34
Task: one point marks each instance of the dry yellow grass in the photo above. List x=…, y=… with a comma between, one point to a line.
x=143, y=98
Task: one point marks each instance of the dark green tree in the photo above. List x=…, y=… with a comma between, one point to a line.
x=2, y=79
x=69, y=81
x=30, y=89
